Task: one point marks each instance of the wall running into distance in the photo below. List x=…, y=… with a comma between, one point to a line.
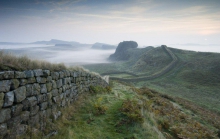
x=27, y=97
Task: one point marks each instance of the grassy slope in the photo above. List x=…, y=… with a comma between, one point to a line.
x=162, y=117
x=86, y=123
x=196, y=78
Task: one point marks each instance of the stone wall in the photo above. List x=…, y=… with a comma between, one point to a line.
x=27, y=97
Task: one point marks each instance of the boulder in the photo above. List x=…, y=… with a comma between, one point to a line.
x=9, y=99
x=20, y=94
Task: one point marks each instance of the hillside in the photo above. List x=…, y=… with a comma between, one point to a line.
x=123, y=111
x=195, y=76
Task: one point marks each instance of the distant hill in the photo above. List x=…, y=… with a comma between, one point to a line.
x=103, y=46
x=54, y=41
x=63, y=45
x=10, y=43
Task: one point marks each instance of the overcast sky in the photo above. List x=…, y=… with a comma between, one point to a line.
x=149, y=22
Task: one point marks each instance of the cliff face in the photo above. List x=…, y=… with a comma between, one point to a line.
x=121, y=51
x=30, y=98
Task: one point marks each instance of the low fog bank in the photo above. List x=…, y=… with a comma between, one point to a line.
x=70, y=56
x=82, y=57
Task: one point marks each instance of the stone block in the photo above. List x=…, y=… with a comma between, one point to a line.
x=25, y=116
x=14, y=84
x=48, y=112
x=9, y=99
x=34, y=110
x=29, y=102
x=49, y=79
x=5, y=85
x=19, y=129
x=29, y=90
x=6, y=75
x=5, y=114
x=54, y=84
x=31, y=80
x=55, y=92
x=43, y=106
x=34, y=120
x=19, y=75
x=41, y=79
x=16, y=110
x=55, y=75
x=38, y=72
x=59, y=83
x=61, y=74
x=3, y=129
x=1, y=100
x=41, y=98
x=75, y=74
x=14, y=121
x=49, y=86
x=29, y=73
x=43, y=88
x=46, y=73
x=20, y=94
x=23, y=82
x=56, y=99
x=36, y=89
x=60, y=90
x=67, y=73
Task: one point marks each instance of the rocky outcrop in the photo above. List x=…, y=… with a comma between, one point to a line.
x=121, y=51
x=27, y=97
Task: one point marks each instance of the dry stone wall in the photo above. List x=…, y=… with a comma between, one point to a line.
x=27, y=98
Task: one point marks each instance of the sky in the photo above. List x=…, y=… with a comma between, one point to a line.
x=148, y=22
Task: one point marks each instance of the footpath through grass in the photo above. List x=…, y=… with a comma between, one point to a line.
x=103, y=115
